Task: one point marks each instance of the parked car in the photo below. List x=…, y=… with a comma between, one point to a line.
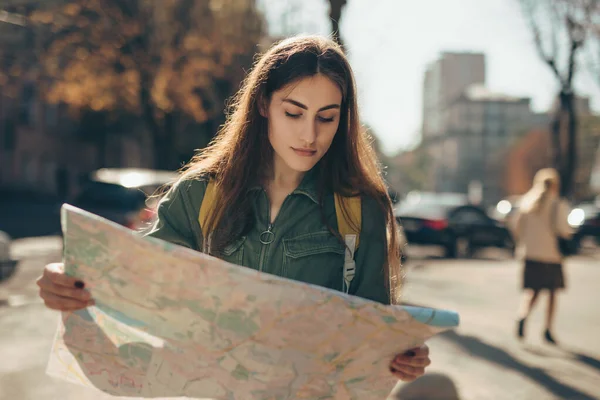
x=8, y=266
x=123, y=195
x=449, y=221
x=585, y=220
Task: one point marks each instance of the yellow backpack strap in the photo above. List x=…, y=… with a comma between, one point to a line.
x=349, y=224
x=206, y=208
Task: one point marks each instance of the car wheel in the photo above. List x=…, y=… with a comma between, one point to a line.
x=460, y=247
x=510, y=246
x=463, y=247
x=450, y=249
x=575, y=245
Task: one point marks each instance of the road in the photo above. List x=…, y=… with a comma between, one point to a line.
x=480, y=360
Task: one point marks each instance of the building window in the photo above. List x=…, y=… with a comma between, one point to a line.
x=27, y=106
x=48, y=172
x=29, y=169
x=51, y=115
x=6, y=166
x=9, y=137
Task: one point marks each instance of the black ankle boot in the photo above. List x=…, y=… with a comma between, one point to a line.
x=521, y=328
x=548, y=337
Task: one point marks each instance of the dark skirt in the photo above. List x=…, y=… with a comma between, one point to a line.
x=542, y=275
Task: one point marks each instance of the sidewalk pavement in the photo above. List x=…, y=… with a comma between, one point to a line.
x=31, y=255
x=482, y=359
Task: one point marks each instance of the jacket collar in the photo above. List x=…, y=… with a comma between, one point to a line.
x=307, y=187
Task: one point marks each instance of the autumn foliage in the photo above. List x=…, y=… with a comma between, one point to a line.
x=158, y=60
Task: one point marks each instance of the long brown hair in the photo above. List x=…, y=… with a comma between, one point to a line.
x=241, y=154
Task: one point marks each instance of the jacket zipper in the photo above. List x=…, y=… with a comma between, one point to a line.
x=267, y=237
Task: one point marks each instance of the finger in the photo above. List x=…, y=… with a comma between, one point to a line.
x=402, y=376
x=406, y=369
x=62, y=303
x=414, y=362
x=62, y=291
x=56, y=273
x=422, y=351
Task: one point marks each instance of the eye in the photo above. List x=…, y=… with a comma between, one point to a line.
x=292, y=115
x=326, y=120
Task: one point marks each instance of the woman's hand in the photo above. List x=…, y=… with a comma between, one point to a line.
x=62, y=292
x=411, y=365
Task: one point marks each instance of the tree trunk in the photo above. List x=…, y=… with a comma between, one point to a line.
x=335, y=13
x=161, y=141
x=556, y=133
x=564, y=141
x=571, y=159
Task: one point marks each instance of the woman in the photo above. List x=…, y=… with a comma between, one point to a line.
x=292, y=141
x=541, y=220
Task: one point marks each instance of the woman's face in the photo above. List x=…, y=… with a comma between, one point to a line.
x=303, y=119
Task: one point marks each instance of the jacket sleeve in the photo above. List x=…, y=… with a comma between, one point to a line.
x=177, y=215
x=370, y=281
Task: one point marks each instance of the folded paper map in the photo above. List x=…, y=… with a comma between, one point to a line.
x=172, y=322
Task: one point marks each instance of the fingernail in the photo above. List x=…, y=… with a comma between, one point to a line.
x=410, y=353
x=79, y=284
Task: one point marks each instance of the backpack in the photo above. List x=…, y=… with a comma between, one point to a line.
x=346, y=225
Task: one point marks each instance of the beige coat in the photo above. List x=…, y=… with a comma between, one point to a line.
x=536, y=235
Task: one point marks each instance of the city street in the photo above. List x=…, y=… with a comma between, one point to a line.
x=480, y=360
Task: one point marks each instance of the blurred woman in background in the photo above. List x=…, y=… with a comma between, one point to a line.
x=540, y=222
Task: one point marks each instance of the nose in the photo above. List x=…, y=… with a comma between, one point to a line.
x=309, y=133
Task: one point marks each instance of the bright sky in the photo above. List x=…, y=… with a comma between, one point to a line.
x=391, y=42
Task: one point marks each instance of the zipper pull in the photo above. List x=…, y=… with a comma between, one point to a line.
x=267, y=237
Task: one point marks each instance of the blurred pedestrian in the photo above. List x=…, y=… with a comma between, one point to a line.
x=541, y=220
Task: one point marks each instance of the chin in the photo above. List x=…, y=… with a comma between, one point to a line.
x=301, y=164
x=301, y=167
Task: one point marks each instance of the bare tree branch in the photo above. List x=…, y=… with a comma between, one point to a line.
x=568, y=19
x=529, y=10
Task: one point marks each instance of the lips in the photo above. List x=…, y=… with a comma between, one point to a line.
x=304, y=152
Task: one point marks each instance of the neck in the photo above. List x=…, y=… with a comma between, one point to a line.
x=283, y=177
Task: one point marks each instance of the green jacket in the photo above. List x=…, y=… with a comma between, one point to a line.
x=302, y=249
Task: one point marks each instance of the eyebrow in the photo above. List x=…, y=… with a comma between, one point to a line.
x=297, y=103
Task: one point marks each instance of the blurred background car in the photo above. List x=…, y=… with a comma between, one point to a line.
x=506, y=209
x=449, y=221
x=8, y=266
x=123, y=195
x=584, y=218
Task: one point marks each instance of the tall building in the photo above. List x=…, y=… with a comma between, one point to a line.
x=444, y=81
x=479, y=125
x=466, y=127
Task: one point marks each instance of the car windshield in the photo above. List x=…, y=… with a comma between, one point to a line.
x=436, y=204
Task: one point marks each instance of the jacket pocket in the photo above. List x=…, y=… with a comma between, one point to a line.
x=234, y=252
x=315, y=258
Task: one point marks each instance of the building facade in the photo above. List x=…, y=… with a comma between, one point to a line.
x=444, y=81
x=481, y=126
x=467, y=128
